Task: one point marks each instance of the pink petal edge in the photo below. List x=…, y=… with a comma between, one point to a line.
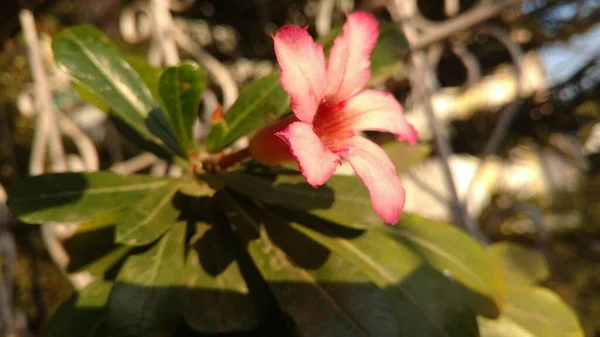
x=378, y=173
x=349, y=66
x=303, y=74
x=375, y=110
x=317, y=163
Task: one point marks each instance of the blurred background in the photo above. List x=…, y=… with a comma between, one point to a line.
x=514, y=86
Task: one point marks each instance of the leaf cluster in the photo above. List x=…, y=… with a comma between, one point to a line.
x=249, y=252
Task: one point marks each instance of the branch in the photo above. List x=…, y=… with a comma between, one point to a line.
x=424, y=84
x=162, y=31
x=46, y=130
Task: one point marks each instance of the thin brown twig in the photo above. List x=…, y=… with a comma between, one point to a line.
x=424, y=84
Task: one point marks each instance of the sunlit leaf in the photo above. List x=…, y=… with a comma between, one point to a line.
x=529, y=310
x=401, y=261
x=532, y=312
x=344, y=199
x=519, y=264
x=82, y=314
x=258, y=105
x=181, y=88
x=147, y=220
x=75, y=197
x=147, y=72
x=95, y=65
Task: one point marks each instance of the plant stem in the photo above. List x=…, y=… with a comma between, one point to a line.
x=233, y=158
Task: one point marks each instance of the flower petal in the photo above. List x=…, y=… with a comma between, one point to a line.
x=316, y=162
x=375, y=110
x=349, y=67
x=378, y=173
x=303, y=74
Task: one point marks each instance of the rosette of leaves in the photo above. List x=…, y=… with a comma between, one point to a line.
x=246, y=251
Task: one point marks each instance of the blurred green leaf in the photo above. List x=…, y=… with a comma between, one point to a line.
x=151, y=217
x=144, y=299
x=532, y=312
x=216, y=299
x=529, y=310
x=95, y=65
x=194, y=187
x=75, y=197
x=405, y=156
x=325, y=295
x=147, y=72
x=387, y=58
x=520, y=264
x=82, y=314
x=258, y=105
x=180, y=89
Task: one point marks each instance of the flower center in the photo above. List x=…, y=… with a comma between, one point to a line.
x=333, y=126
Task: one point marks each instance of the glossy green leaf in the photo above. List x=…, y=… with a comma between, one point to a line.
x=181, y=88
x=82, y=314
x=387, y=58
x=520, y=264
x=402, y=260
x=325, y=295
x=95, y=65
x=217, y=299
x=144, y=299
x=147, y=72
x=151, y=217
x=344, y=199
x=258, y=105
x=76, y=197
x=453, y=253
x=532, y=312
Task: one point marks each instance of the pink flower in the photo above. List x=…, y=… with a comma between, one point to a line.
x=331, y=108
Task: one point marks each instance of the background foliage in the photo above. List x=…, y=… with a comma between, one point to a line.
x=253, y=251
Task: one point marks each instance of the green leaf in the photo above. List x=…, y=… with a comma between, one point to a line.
x=404, y=156
x=95, y=65
x=532, y=312
x=325, y=295
x=454, y=253
x=194, y=187
x=149, y=218
x=519, y=264
x=402, y=260
x=529, y=310
x=216, y=299
x=144, y=299
x=387, y=58
x=258, y=105
x=76, y=197
x=180, y=89
x=147, y=72
x=82, y=314
x=344, y=199
x=94, y=251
